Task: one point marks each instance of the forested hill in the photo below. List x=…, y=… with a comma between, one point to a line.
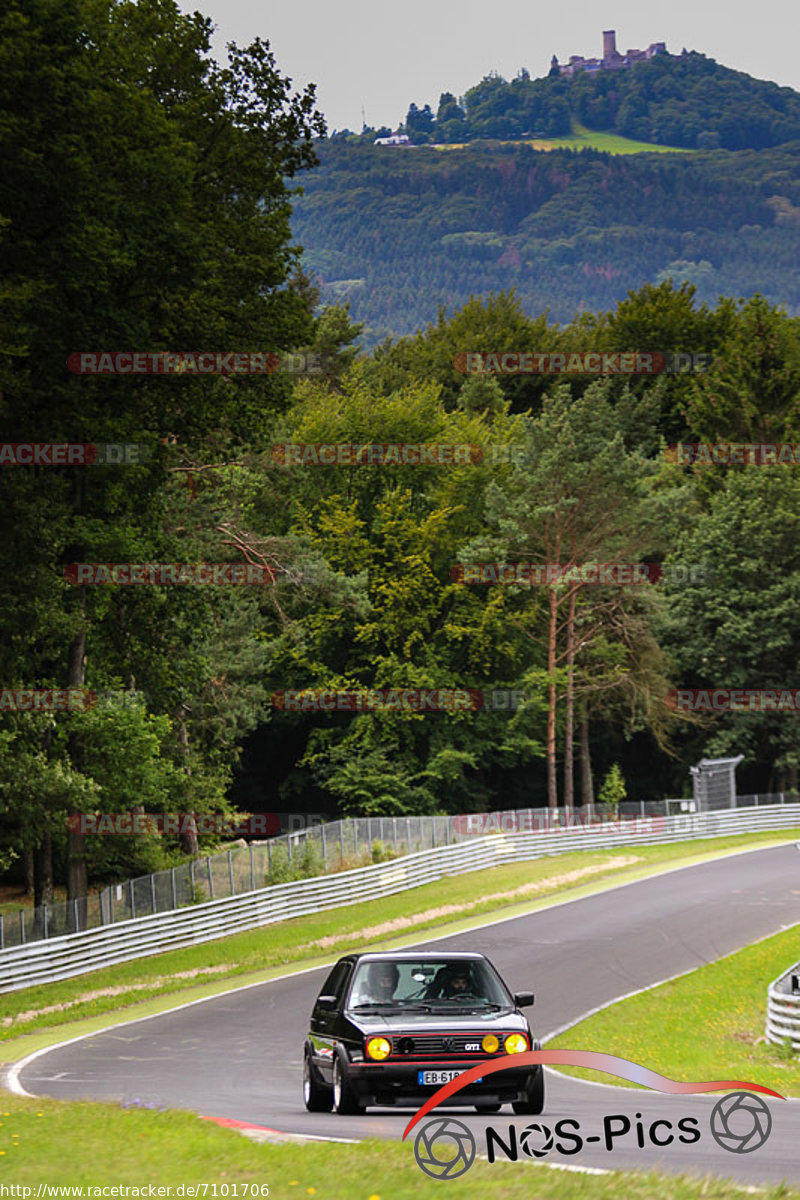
x=684, y=100
x=398, y=231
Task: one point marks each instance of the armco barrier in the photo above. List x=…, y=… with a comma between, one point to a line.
x=783, y=1009
x=340, y=845
x=77, y=953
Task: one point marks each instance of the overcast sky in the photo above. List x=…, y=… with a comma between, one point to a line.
x=382, y=56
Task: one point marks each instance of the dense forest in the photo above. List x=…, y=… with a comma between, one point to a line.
x=170, y=231
x=400, y=232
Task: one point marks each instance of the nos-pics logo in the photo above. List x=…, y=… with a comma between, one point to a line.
x=445, y=1148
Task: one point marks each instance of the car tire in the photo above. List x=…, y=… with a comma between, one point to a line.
x=345, y=1100
x=316, y=1096
x=534, y=1099
x=487, y=1108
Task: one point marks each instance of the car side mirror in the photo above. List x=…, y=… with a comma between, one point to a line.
x=326, y=1001
x=523, y=999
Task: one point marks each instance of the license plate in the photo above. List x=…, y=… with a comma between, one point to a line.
x=437, y=1078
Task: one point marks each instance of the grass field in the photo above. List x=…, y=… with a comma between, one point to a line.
x=460, y=901
x=708, y=1024
x=86, y=1144
x=590, y=139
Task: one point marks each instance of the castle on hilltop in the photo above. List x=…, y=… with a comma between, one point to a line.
x=612, y=60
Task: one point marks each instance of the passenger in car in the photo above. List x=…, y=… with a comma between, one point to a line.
x=380, y=984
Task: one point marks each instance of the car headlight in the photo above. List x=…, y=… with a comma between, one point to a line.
x=516, y=1043
x=379, y=1048
x=490, y=1043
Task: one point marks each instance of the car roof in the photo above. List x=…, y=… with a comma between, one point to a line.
x=409, y=956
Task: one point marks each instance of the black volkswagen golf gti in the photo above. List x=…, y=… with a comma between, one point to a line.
x=389, y=1029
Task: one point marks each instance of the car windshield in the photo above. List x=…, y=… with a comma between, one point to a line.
x=447, y=982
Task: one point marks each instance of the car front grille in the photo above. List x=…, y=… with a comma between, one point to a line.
x=421, y=1046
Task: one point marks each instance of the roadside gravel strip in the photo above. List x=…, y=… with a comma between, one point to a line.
x=237, y=1055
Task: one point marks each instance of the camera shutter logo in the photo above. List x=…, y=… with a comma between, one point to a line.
x=741, y=1122
x=536, y=1140
x=455, y=1134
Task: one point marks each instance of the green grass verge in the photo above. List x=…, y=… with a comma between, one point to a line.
x=88, y=1144
x=708, y=1024
x=450, y=905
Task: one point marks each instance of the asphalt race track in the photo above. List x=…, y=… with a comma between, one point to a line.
x=239, y=1055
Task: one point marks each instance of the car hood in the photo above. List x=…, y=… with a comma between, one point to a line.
x=508, y=1020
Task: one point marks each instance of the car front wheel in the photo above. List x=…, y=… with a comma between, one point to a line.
x=316, y=1096
x=534, y=1096
x=345, y=1100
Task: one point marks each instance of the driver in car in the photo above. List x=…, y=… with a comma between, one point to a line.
x=452, y=982
x=457, y=985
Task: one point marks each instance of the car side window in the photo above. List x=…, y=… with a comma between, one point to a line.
x=337, y=980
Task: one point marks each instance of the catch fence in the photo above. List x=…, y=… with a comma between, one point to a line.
x=75, y=953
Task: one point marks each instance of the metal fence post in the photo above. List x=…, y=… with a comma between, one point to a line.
x=133, y=900
x=341, y=840
x=174, y=883
x=394, y=832
x=44, y=920
x=153, y=892
x=75, y=914
x=22, y=926
x=269, y=857
x=369, y=835
x=324, y=847
x=191, y=878
x=2, y=934
x=355, y=836
x=210, y=878
x=289, y=847
x=230, y=871
x=252, y=868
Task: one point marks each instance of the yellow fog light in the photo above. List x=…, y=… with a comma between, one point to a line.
x=379, y=1048
x=490, y=1043
x=516, y=1043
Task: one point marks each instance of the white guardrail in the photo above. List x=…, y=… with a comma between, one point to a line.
x=783, y=1009
x=76, y=953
